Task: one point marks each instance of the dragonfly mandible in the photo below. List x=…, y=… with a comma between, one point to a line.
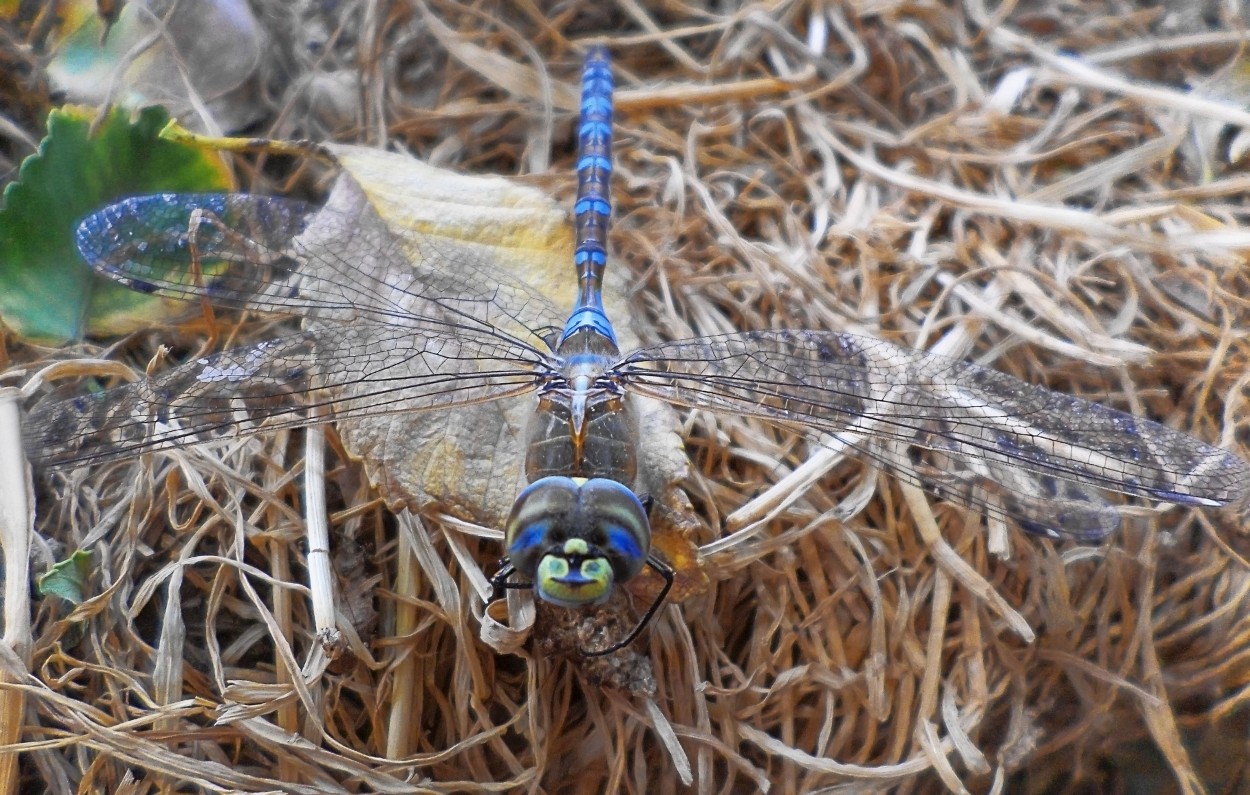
x=1047, y=461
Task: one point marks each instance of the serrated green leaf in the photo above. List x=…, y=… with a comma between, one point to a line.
x=67, y=578
x=47, y=293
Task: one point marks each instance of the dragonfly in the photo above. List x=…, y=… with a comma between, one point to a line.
x=1054, y=464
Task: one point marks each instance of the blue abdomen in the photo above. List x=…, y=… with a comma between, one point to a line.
x=594, y=206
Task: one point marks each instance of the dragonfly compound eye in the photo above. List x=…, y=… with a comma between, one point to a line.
x=576, y=539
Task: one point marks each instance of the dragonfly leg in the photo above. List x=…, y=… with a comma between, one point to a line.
x=499, y=583
x=664, y=570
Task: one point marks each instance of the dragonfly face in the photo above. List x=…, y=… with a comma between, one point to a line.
x=388, y=334
x=576, y=538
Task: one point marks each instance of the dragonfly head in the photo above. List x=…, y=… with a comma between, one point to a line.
x=576, y=539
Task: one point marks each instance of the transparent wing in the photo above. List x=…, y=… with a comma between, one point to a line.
x=967, y=433
x=358, y=369
x=281, y=255
x=393, y=325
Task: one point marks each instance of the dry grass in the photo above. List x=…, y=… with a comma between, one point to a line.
x=1044, y=188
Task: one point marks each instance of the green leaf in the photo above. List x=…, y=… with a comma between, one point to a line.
x=47, y=293
x=67, y=578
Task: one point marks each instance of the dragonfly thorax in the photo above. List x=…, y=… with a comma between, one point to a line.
x=582, y=433
x=583, y=426
x=577, y=538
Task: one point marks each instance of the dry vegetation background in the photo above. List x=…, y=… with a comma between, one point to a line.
x=1054, y=189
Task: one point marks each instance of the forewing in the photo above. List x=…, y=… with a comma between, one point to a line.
x=280, y=255
x=964, y=432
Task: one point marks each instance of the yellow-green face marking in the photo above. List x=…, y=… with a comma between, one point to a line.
x=571, y=578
